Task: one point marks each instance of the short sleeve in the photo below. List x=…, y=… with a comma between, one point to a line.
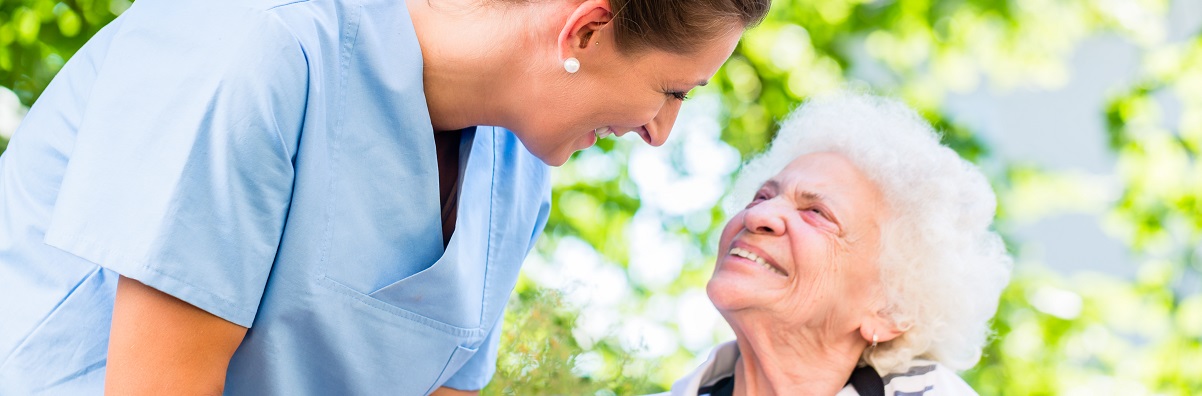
x=478, y=371
x=181, y=174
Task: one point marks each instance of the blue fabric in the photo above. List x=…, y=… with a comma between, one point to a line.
x=272, y=163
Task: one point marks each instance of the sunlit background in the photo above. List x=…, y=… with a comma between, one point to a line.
x=1087, y=116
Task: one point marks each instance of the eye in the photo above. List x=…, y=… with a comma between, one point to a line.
x=678, y=95
x=818, y=211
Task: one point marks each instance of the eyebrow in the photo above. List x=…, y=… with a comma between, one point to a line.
x=804, y=194
x=811, y=196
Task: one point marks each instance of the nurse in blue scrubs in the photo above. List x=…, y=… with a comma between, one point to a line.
x=289, y=197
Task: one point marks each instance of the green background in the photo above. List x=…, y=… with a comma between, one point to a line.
x=1128, y=336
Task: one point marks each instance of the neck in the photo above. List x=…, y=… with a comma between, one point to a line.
x=774, y=360
x=473, y=59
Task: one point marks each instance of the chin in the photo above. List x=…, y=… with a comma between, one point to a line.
x=725, y=294
x=548, y=155
x=554, y=159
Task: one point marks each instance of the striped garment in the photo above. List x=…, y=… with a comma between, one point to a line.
x=920, y=378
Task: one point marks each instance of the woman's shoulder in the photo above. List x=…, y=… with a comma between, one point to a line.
x=925, y=377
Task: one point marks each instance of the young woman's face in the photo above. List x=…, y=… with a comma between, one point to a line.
x=640, y=93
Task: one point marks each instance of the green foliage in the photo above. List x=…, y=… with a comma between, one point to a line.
x=541, y=354
x=1160, y=210
x=38, y=36
x=1088, y=333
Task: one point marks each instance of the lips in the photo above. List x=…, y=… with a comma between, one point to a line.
x=604, y=132
x=757, y=256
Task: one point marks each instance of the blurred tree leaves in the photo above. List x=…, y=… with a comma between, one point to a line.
x=1087, y=334
x=1161, y=207
x=38, y=36
x=541, y=357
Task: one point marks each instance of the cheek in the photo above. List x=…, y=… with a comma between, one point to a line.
x=629, y=107
x=814, y=241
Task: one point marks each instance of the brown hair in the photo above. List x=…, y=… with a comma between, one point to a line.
x=680, y=26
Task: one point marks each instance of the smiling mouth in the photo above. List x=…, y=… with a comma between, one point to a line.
x=744, y=253
x=604, y=132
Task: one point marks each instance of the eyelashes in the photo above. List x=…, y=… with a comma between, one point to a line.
x=811, y=208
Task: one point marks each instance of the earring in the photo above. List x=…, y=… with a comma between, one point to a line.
x=571, y=65
x=874, y=339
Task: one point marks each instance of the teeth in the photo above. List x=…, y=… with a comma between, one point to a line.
x=603, y=132
x=744, y=253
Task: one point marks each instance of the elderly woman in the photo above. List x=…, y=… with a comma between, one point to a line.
x=865, y=265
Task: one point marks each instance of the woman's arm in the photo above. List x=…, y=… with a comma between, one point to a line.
x=161, y=345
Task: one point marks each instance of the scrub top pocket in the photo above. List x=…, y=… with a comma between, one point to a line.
x=450, y=291
x=457, y=360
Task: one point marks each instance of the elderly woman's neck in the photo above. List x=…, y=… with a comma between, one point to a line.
x=776, y=361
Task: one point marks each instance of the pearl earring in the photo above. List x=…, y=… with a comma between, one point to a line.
x=571, y=65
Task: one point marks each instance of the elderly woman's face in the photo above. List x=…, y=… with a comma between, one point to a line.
x=804, y=250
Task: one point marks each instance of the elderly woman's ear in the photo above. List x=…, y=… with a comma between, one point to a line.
x=880, y=326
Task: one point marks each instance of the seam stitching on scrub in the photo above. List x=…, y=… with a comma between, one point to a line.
x=278, y=133
x=492, y=196
x=91, y=248
x=216, y=298
x=348, y=44
x=286, y=4
x=398, y=312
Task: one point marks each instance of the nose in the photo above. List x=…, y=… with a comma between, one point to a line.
x=661, y=125
x=765, y=218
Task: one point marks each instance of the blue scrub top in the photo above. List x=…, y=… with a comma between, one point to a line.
x=273, y=163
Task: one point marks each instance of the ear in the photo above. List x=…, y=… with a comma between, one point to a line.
x=585, y=20
x=881, y=325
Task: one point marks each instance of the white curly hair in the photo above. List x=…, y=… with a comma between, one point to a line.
x=942, y=267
